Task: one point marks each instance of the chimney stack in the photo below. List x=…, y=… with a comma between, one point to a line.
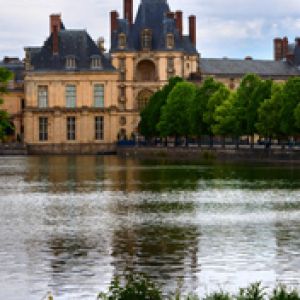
x=297, y=40
x=113, y=21
x=128, y=11
x=55, y=26
x=278, y=49
x=55, y=21
x=192, y=29
x=285, y=47
x=178, y=17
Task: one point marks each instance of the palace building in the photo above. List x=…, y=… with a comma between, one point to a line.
x=71, y=96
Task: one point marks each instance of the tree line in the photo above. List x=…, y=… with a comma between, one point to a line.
x=258, y=107
x=5, y=125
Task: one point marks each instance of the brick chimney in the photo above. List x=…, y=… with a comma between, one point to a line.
x=55, y=26
x=285, y=47
x=128, y=11
x=192, y=29
x=114, y=21
x=278, y=49
x=178, y=17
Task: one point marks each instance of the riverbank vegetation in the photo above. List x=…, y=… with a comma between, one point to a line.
x=5, y=124
x=258, y=107
x=139, y=287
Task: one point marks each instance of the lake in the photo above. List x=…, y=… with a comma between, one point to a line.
x=68, y=224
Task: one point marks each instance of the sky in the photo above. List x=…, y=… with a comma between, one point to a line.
x=225, y=28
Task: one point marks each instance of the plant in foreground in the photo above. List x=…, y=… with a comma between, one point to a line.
x=282, y=293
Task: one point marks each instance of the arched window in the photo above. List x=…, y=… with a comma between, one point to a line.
x=146, y=71
x=147, y=39
x=122, y=41
x=170, y=41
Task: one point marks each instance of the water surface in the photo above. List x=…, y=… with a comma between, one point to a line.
x=69, y=224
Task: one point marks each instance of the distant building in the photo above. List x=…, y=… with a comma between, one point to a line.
x=70, y=96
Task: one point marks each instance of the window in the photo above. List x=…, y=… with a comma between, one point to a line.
x=96, y=63
x=99, y=128
x=99, y=95
x=43, y=129
x=170, y=67
x=122, y=41
x=170, y=41
x=123, y=121
x=70, y=63
x=147, y=39
x=71, y=128
x=71, y=96
x=43, y=96
x=122, y=66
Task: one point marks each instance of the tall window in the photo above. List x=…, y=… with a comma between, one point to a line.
x=71, y=128
x=170, y=41
x=122, y=67
x=99, y=128
x=122, y=40
x=147, y=39
x=43, y=129
x=43, y=96
x=71, y=96
x=170, y=67
x=99, y=95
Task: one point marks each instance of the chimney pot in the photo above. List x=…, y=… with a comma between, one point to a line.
x=55, y=21
x=278, y=49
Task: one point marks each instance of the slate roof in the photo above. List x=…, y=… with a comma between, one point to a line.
x=152, y=14
x=75, y=43
x=236, y=67
x=16, y=66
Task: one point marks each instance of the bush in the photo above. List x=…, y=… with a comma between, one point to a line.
x=254, y=292
x=136, y=287
x=282, y=293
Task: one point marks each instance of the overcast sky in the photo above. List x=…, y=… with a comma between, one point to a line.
x=231, y=28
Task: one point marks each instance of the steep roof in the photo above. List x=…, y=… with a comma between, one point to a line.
x=152, y=14
x=236, y=67
x=75, y=43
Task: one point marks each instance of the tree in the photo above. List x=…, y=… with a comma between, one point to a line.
x=174, y=118
x=227, y=118
x=215, y=100
x=5, y=76
x=199, y=106
x=150, y=116
x=290, y=100
x=250, y=94
x=268, y=123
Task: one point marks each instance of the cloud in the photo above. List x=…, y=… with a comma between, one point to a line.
x=233, y=28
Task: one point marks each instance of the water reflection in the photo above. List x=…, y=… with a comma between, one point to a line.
x=69, y=224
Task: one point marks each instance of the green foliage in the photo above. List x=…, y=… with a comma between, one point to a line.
x=218, y=296
x=199, y=105
x=136, y=287
x=227, y=120
x=215, y=100
x=290, y=100
x=174, y=118
x=268, y=124
x=151, y=115
x=250, y=94
x=5, y=125
x=282, y=293
x=254, y=292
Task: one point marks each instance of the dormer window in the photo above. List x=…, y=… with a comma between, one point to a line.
x=70, y=62
x=96, y=63
x=122, y=41
x=147, y=39
x=170, y=41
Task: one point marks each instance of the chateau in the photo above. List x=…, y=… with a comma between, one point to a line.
x=71, y=96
